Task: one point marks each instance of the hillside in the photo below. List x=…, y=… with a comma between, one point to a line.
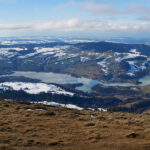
x=83, y=73
x=25, y=127
x=104, y=61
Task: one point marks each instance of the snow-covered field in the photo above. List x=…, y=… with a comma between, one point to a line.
x=104, y=64
x=11, y=52
x=133, y=53
x=27, y=41
x=71, y=106
x=130, y=57
x=59, y=105
x=59, y=52
x=34, y=88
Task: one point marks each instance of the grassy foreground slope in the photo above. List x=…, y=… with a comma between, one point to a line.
x=39, y=127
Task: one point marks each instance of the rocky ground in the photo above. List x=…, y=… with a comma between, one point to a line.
x=38, y=127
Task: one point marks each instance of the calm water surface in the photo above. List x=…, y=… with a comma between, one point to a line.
x=68, y=79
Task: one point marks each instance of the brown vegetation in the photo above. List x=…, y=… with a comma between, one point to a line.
x=39, y=127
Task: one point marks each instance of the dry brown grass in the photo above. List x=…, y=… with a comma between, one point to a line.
x=66, y=129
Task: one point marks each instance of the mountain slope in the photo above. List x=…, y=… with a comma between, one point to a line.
x=98, y=60
x=36, y=127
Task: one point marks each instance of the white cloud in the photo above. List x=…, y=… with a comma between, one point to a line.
x=100, y=9
x=62, y=25
x=72, y=25
x=109, y=10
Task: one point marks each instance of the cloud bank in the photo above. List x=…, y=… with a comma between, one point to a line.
x=71, y=25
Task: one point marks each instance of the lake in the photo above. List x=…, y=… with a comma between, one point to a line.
x=58, y=78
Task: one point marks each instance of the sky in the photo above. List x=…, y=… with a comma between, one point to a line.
x=99, y=18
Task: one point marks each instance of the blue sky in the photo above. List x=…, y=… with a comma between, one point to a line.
x=77, y=17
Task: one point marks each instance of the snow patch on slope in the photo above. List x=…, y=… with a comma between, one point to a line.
x=135, y=68
x=57, y=51
x=123, y=56
x=8, y=52
x=104, y=64
x=34, y=88
x=71, y=106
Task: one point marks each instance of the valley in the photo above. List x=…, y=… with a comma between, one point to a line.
x=99, y=74
x=74, y=75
